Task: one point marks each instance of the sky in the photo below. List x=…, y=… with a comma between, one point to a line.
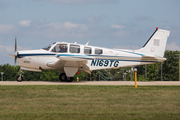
x=123, y=24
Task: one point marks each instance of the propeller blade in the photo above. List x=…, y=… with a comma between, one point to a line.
x=15, y=59
x=16, y=56
x=15, y=44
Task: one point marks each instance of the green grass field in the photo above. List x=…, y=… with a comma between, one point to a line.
x=89, y=102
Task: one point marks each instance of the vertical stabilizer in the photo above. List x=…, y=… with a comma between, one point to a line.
x=156, y=44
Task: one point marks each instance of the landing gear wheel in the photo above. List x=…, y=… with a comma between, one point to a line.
x=69, y=79
x=62, y=77
x=19, y=78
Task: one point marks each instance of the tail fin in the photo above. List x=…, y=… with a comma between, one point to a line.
x=156, y=44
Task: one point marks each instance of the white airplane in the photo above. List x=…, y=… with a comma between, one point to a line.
x=69, y=58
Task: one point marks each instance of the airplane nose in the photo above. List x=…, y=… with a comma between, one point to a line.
x=14, y=54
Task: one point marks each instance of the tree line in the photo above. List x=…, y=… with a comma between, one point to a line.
x=170, y=70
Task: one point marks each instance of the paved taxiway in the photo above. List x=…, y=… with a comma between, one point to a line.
x=90, y=83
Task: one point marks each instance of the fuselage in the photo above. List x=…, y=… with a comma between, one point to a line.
x=93, y=57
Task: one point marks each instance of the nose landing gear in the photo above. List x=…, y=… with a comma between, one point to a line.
x=19, y=78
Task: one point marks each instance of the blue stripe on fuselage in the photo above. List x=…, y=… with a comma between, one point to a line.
x=38, y=54
x=87, y=57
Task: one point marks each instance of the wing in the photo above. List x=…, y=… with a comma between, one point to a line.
x=56, y=64
x=71, y=60
x=74, y=57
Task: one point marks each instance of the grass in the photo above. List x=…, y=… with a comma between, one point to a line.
x=89, y=102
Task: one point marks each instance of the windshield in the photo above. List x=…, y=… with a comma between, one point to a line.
x=48, y=47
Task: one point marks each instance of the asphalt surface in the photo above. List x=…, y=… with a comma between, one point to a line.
x=139, y=83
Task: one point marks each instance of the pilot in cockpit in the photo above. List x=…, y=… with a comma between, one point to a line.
x=62, y=49
x=59, y=48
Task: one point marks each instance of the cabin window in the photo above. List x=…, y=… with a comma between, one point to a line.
x=98, y=51
x=87, y=50
x=62, y=48
x=74, y=48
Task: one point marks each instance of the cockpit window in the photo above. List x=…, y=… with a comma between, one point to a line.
x=62, y=48
x=49, y=46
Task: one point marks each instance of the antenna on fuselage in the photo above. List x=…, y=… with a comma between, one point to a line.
x=88, y=42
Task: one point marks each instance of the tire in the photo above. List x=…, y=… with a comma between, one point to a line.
x=62, y=77
x=19, y=79
x=69, y=79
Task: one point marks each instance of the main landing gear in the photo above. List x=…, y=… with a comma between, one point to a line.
x=64, y=78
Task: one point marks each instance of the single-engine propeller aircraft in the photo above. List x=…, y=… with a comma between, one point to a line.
x=69, y=58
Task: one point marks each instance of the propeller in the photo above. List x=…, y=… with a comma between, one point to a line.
x=16, y=53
